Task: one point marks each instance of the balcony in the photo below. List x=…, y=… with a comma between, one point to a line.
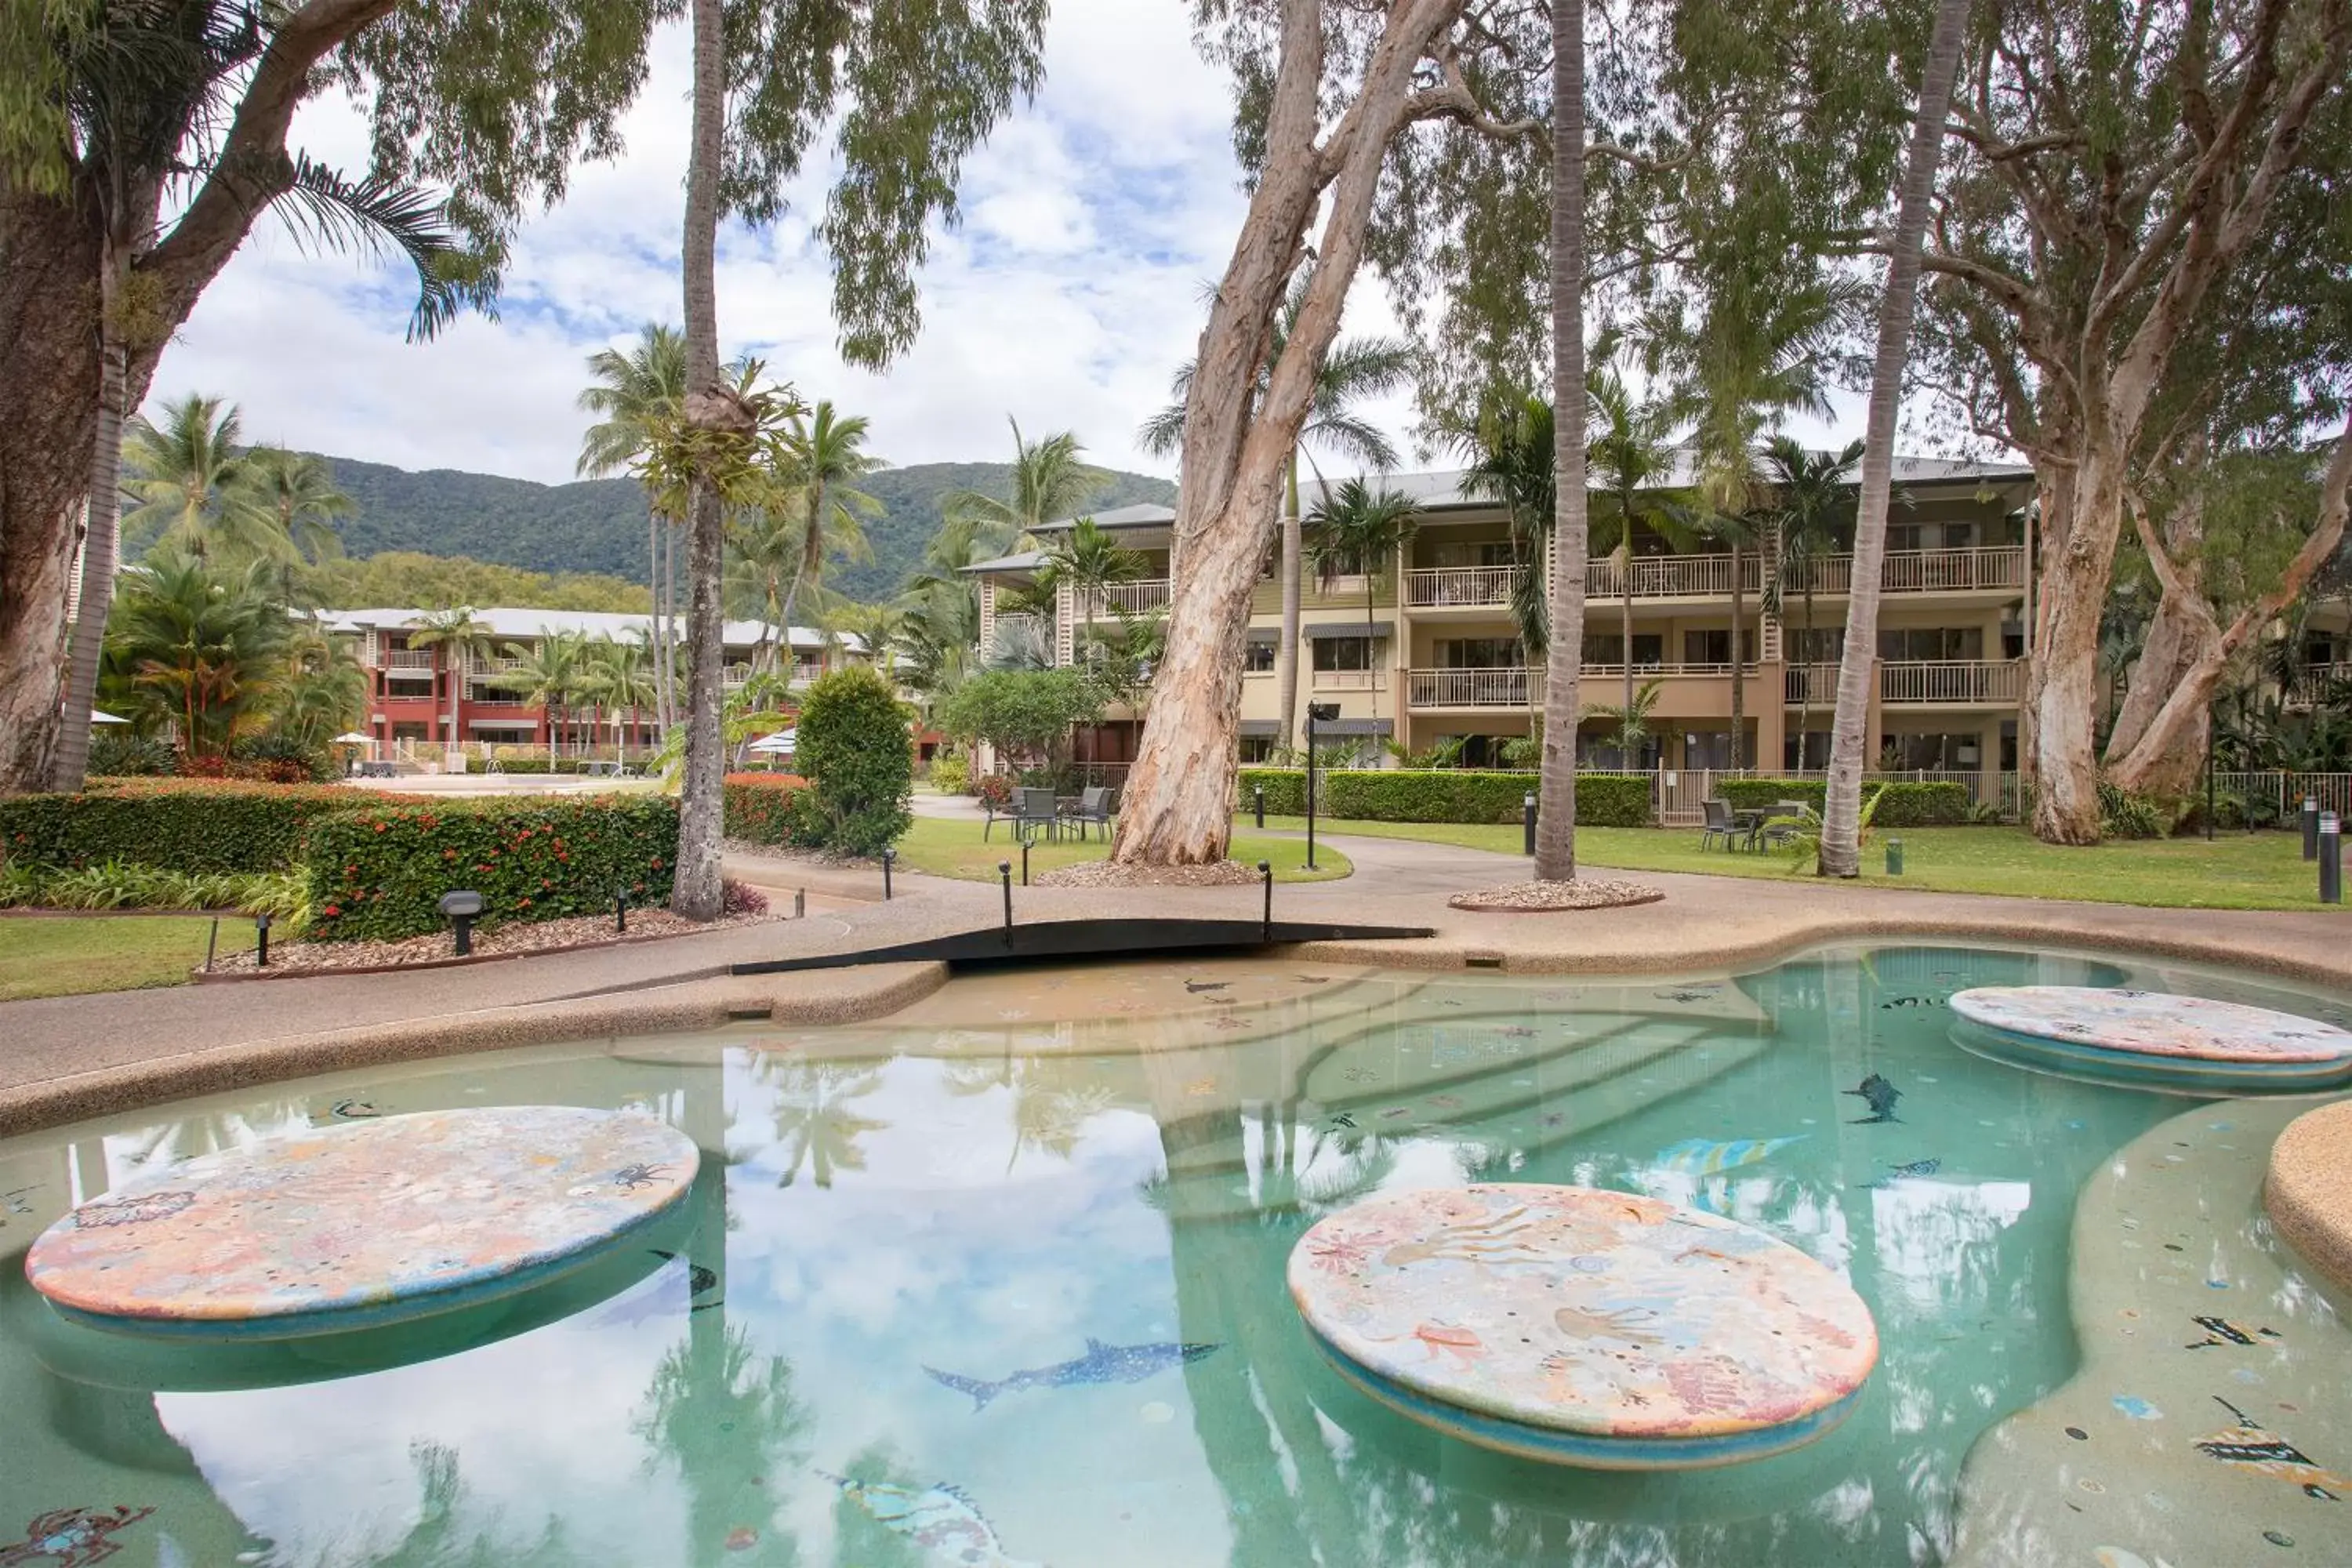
x=1918, y=683
x=1459, y=587
x=2000, y=569
x=1672, y=577
x=1997, y=570
x=410, y=660
x=1498, y=687
x=1129, y=598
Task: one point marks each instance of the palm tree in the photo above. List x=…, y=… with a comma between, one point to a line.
x=1051, y=481
x=1810, y=501
x=1358, y=530
x=1633, y=721
x=462, y=637
x=1355, y=369
x=322, y=692
x=1510, y=451
x=550, y=675
x=632, y=394
x=620, y=678
x=942, y=630
x=1841, y=851
x=203, y=645
x=297, y=492
x=193, y=484
x=1630, y=455
x=826, y=456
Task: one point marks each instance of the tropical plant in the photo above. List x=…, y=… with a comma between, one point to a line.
x=1810, y=513
x=1803, y=842
x=854, y=749
x=1510, y=451
x=632, y=394
x=297, y=492
x=1630, y=455
x=460, y=637
x=550, y=675
x=1022, y=714
x=192, y=479
x=199, y=645
x=322, y=692
x=1357, y=530
x=823, y=456
x=1353, y=371
x=1087, y=558
x=1630, y=734
x=1051, y=481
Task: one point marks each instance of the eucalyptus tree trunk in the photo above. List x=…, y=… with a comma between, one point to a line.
x=1285, y=663
x=1564, y=653
x=1841, y=851
x=697, y=894
x=1236, y=446
x=101, y=544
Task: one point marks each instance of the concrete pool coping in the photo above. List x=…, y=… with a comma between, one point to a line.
x=2307, y=1190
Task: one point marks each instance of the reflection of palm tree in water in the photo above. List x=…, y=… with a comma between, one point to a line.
x=1054, y=1097
x=442, y=1539
x=211, y=1132
x=815, y=1124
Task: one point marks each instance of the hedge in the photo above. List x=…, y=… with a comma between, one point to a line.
x=760, y=806
x=855, y=749
x=378, y=873
x=1442, y=794
x=1908, y=803
x=201, y=826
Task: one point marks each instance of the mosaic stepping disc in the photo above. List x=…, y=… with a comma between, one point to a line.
x=2154, y=1039
x=361, y=1223
x=1584, y=1327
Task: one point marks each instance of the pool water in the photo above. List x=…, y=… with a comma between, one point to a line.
x=999, y=1282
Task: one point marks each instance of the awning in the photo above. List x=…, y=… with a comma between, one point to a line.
x=1355, y=727
x=1326, y=630
x=1269, y=728
x=1265, y=634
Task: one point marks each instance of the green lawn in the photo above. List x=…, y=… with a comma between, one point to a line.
x=948, y=847
x=68, y=955
x=2236, y=871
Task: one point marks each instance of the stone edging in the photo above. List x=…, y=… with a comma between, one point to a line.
x=2308, y=1190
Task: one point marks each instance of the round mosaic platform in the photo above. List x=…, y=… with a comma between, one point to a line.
x=2154, y=1039
x=367, y=1223
x=1584, y=1327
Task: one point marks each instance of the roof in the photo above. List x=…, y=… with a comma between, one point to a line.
x=1026, y=561
x=522, y=622
x=1440, y=489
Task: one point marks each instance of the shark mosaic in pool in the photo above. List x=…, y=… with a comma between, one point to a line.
x=1117, y=1161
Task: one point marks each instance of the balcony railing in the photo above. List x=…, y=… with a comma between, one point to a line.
x=1449, y=587
x=1498, y=687
x=1948, y=682
x=2318, y=682
x=1134, y=598
x=1999, y=569
x=418, y=659
x=1674, y=578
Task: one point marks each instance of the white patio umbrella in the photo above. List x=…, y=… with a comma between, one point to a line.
x=353, y=738
x=97, y=716
x=778, y=744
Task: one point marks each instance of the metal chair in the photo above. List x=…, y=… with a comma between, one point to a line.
x=1095, y=806
x=1036, y=808
x=1719, y=824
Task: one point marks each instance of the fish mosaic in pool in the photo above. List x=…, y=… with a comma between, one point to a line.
x=1879, y=1095
x=1020, y=1283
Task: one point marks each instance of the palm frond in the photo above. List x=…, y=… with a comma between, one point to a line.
x=375, y=216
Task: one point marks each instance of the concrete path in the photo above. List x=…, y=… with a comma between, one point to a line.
x=1704, y=923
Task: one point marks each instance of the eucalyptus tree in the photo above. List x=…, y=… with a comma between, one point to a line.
x=139, y=144
x=1356, y=531
x=2114, y=167
x=1355, y=369
x=1051, y=481
x=905, y=91
x=632, y=392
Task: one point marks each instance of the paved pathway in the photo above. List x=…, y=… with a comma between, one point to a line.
x=1704, y=922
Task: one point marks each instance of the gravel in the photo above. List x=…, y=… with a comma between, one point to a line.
x=1538, y=898
x=1110, y=874
x=533, y=936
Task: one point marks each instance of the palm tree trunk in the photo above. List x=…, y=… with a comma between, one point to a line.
x=1841, y=852
x=696, y=893
x=1738, y=674
x=100, y=543
x=654, y=596
x=1285, y=662
x=1805, y=681
x=1556, y=816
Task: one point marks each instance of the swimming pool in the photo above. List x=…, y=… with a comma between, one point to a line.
x=1006, y=1272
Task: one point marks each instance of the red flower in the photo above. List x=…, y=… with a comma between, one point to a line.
x=381, y=827
x=332, y=910
x=448, y=854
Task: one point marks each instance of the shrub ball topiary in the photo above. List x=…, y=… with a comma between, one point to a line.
x=854, y=749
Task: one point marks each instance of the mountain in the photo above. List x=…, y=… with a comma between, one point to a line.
x=599, y=525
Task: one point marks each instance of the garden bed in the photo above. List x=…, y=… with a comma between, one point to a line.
x=511, y=939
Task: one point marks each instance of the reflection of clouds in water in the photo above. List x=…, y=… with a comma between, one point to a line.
x=1936, y=1243
x=538, y=1425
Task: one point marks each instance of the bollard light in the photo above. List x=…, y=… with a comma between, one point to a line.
x=888, y=857
x=461, y=909
x=620, y=910
x=1265, y=875
x=1527, y=824
x=2310, y=828
x=1005, y=874
x=1258, y=792
x=1024, y=862
x=261, y=942
x=2331, y=858
x=800, y=903
x=1895, y=857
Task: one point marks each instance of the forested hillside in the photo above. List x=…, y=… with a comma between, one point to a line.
x=599, y=525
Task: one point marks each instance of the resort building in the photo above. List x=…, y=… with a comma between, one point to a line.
x=411, y=685
x=1423, y=649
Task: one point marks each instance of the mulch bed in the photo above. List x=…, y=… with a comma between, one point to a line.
x=1545, y=898
x=505, y=942
x=1110, y=874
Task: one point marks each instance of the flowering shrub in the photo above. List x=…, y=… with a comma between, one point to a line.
x=378, y=873
x=200, y=827
x=995, y=789
x=762, y=807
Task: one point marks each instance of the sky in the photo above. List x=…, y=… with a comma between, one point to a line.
x=1092, y=221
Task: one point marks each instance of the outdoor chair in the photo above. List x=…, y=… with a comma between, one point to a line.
x=1798, y=819
x=1095, y=806
x=1035, y=809
x=1719, y=824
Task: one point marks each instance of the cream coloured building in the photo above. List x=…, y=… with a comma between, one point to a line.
x=1436, y=655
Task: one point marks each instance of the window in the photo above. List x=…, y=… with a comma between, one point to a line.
x=1345, y=653
x=1823, y=645
x=1257, y=657
x=1931, y=643
x=1809, y=750
x=1715, y=646
x=1936, y=754
x=1257, y=748
x=1609, y=647
x=1931, y=535
x=1479, y=653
